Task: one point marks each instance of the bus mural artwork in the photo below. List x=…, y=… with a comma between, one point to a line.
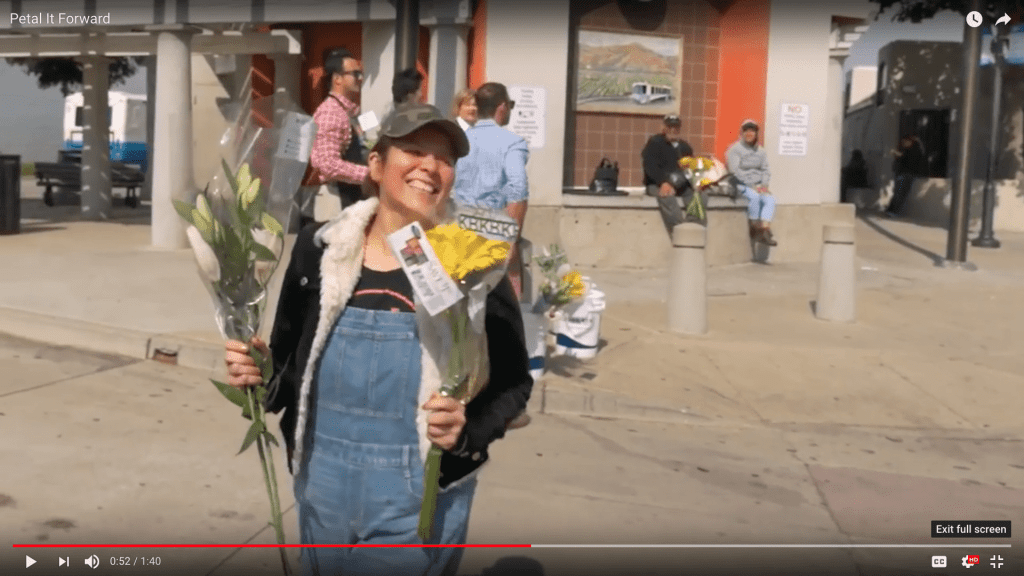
x=630, y=73
x=127, y=117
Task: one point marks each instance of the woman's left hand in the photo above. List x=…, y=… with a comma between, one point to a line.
x=446, y=421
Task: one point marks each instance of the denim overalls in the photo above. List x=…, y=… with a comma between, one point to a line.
x=362, y=479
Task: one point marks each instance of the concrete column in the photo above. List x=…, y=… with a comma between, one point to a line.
x=287, y=86
x=688, y=280
x=96, y=200
x=837, y=283
x=172, y=140
x=449, y=60
x=834, y=134
x=147, y=189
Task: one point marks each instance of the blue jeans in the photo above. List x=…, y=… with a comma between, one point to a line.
x=760, y=206
x=362, y=478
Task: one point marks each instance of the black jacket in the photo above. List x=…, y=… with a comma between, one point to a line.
x=661, y=159
x=487, y=415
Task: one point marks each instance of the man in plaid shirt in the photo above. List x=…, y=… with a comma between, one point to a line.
x=338, y=156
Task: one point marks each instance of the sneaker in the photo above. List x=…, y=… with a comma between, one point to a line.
x=519, y=421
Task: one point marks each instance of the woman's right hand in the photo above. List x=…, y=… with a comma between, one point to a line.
x=242, y=369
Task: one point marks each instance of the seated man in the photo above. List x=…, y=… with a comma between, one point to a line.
x=748, y=163
x=661, y=158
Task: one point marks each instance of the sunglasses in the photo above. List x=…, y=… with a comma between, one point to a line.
x=357, y=74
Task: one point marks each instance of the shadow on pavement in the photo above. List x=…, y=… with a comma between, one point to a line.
x=69, y=209
x=514, y=566
x=935, y=258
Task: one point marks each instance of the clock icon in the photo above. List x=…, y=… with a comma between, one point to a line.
x=974, y=19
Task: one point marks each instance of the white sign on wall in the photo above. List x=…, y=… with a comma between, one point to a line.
x=793, y=123
x=528, y=115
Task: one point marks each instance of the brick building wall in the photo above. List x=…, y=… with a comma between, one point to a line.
x=621, y=137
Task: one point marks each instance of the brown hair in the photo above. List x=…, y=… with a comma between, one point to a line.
x=370, y=188
x=460, y=99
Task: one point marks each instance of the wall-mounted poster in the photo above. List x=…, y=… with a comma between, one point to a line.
x=628, y=73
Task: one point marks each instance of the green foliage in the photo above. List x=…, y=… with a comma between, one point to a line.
x=67, y=74
x=257, y=428
x=236, y=396
x=184, y=210
x=271, y=224
x=918, y=10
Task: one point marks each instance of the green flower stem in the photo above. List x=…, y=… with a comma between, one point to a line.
x=431, y=480
x=432, y=467
x=269, y=475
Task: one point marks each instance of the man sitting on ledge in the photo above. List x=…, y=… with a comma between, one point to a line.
x=661, y=158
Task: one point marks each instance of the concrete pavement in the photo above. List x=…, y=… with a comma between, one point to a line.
x=774, y=427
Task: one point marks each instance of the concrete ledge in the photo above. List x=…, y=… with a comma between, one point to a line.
x=191, y=352
x=74, y=333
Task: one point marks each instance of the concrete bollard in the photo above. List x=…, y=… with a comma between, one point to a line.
x=688, y=280
x=837, y=291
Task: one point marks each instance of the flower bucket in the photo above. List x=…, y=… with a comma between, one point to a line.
x=536, y=345
x=580, y=328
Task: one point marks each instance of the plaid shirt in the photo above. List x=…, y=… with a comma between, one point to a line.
x=333, y=136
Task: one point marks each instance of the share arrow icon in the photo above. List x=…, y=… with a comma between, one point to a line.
x=1005, y=19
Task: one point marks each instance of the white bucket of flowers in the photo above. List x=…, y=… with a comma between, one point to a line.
x=579, y=331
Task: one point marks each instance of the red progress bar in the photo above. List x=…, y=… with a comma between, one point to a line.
x=272, y=545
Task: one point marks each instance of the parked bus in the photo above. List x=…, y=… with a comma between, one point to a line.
x=646, y=93
x=127, y=116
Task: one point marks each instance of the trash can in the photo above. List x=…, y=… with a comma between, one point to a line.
x=10, y=194
x=580, y=329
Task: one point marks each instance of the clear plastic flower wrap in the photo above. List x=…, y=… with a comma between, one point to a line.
x=237, y=227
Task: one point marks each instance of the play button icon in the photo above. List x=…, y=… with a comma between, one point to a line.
x=29, y=561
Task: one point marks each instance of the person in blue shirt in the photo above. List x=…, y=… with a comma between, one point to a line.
x=493, y=174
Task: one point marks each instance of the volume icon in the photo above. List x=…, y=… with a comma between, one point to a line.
x=92, y=562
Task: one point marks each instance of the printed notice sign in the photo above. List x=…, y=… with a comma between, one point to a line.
x=528, y=116
x=432, y=285
x=793, y=123
x=297, y=134
x=795, y=115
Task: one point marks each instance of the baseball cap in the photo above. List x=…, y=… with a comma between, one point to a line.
x=411, y=117
x=672, y=120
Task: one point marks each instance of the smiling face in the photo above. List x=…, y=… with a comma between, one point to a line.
x=415, y=176
x=467, y=110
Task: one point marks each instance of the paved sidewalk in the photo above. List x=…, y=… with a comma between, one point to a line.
x=825, y=432
x=101, y=287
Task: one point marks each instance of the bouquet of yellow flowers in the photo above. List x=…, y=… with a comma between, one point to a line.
x=702, y=172
x=476, y=265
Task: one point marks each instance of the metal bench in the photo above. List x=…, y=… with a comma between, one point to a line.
x=69, y=174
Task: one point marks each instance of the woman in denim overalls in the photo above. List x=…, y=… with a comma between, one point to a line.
x=356, y=376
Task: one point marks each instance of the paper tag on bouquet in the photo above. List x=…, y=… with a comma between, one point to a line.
x=432, y=285
x=490, y=224
x=368, y=121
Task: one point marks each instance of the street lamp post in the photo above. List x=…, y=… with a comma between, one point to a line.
x=986, y=237
x=407, y=33
x=956, y=245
